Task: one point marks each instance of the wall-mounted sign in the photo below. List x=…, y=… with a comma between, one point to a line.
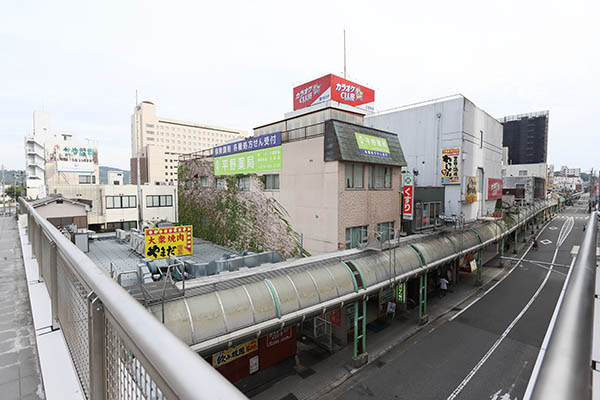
x=233, y=353
x=372, y=145
x=408, y=197
x=401, y=292
x=169, y=241
x=279, y=336
x=450, y=166
x=332, y=87
x=494, y=189
x=72, y=157
x=336, y=317
x=254, y=364
x=470, y=189
x=256, y=155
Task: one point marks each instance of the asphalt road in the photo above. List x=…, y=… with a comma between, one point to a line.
x=486, y=349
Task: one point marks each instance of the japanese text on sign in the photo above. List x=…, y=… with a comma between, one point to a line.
x=233, y=353
x=450, y=170
x=167, y=242
x=265, y=160
x=408, y=198
x=372, y=145
x=257, y=143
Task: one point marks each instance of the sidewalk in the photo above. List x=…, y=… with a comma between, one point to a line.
x=336, y=368
x=20, y=376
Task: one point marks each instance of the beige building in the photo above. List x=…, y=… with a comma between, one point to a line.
x=335, y=194
x=116, y=206
x=159, y=141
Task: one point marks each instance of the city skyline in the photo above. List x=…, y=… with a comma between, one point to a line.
x=83, y=62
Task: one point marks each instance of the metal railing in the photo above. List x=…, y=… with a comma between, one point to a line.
x=566, y=367
x=119, y=350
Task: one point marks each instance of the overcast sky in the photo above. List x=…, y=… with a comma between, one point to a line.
x=235, y=64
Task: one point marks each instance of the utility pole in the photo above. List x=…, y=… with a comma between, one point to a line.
x=3, y=193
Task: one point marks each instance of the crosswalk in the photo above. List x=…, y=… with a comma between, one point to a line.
x=573, y=216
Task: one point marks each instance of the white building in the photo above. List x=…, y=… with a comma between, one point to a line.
x=54, y=158
x=566, y=171
x=159, y=141
x=116, y=206
x=568, y=183
x=115, y=177
x=451, y=143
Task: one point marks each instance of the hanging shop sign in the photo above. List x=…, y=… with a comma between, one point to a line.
x=254, y=155
x=470, y=189
x=408, y=197
x=372, y=145
x=450, y=168
x=401, y=292
x=233, y=353
x=169, y=241
x=336, y=317
x=494, y=189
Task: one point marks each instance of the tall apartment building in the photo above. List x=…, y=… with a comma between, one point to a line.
x=526, y=136
x=159, y=141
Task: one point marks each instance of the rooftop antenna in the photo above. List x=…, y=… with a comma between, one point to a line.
x=138, y=128
x=344, y=54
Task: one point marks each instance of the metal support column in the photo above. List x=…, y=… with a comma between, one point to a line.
x=423, y=317
x=502, y=252
x=53, y=285
x=96, y=337
x=478, y=282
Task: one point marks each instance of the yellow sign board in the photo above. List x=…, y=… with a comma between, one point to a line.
x=233, y=353
x=169, y=241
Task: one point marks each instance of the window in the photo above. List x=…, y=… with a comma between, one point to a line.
x=385, y=231
x=87, y=179
x=243, y=183
x=126, y=225
x=159, y=201
x=355, y=236
x=220, y=183
x=380, y=177
x=428, y=214
x=354, y=176
x=271, y=182
x=503, y=172
x=204, y=181
x=149, y=125
x=121, y=202
x=522, y=172
x=480, y=139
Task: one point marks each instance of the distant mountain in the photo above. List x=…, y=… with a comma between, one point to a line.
x=104, y=174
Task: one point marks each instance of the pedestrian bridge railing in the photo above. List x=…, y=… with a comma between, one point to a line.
x=118, y=349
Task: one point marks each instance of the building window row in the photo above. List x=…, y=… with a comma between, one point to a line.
x=356, y=236
x=159, y=201
x=385, y=231
x=428, y=214
x=380, y=177
x=87, y=179
x=121, y=202
x=125, y=225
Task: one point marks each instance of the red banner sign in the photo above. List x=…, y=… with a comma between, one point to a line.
x=332, y=87
x=494, y=189
x=336, y=317
x=408, y=198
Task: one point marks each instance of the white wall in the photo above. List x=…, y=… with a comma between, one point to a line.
x=454, y=122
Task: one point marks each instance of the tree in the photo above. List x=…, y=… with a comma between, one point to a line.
x=14, y=192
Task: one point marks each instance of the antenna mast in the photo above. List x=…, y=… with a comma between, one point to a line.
x=344, y=54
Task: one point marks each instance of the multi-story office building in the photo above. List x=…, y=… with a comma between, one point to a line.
x=159, y=141
x=566, y=171
x=526, y=136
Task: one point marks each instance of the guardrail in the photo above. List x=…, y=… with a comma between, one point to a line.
x=565, y=371
x=119, y=350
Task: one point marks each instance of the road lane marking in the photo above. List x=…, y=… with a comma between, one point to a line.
x=546, y=241
x=503, y=278
x=564, y=232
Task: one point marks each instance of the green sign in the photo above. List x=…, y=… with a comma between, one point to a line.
x=401, y=292
x=372, y=145
x=249, y=162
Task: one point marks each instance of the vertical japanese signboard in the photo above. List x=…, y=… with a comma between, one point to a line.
x=254, y=155
x=450, y=166
x=494, y=189
x=401, y=292
x=408, y=197
x=470, y=189
x=169, y=241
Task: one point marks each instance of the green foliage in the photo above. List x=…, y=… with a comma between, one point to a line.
x=14, y=192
